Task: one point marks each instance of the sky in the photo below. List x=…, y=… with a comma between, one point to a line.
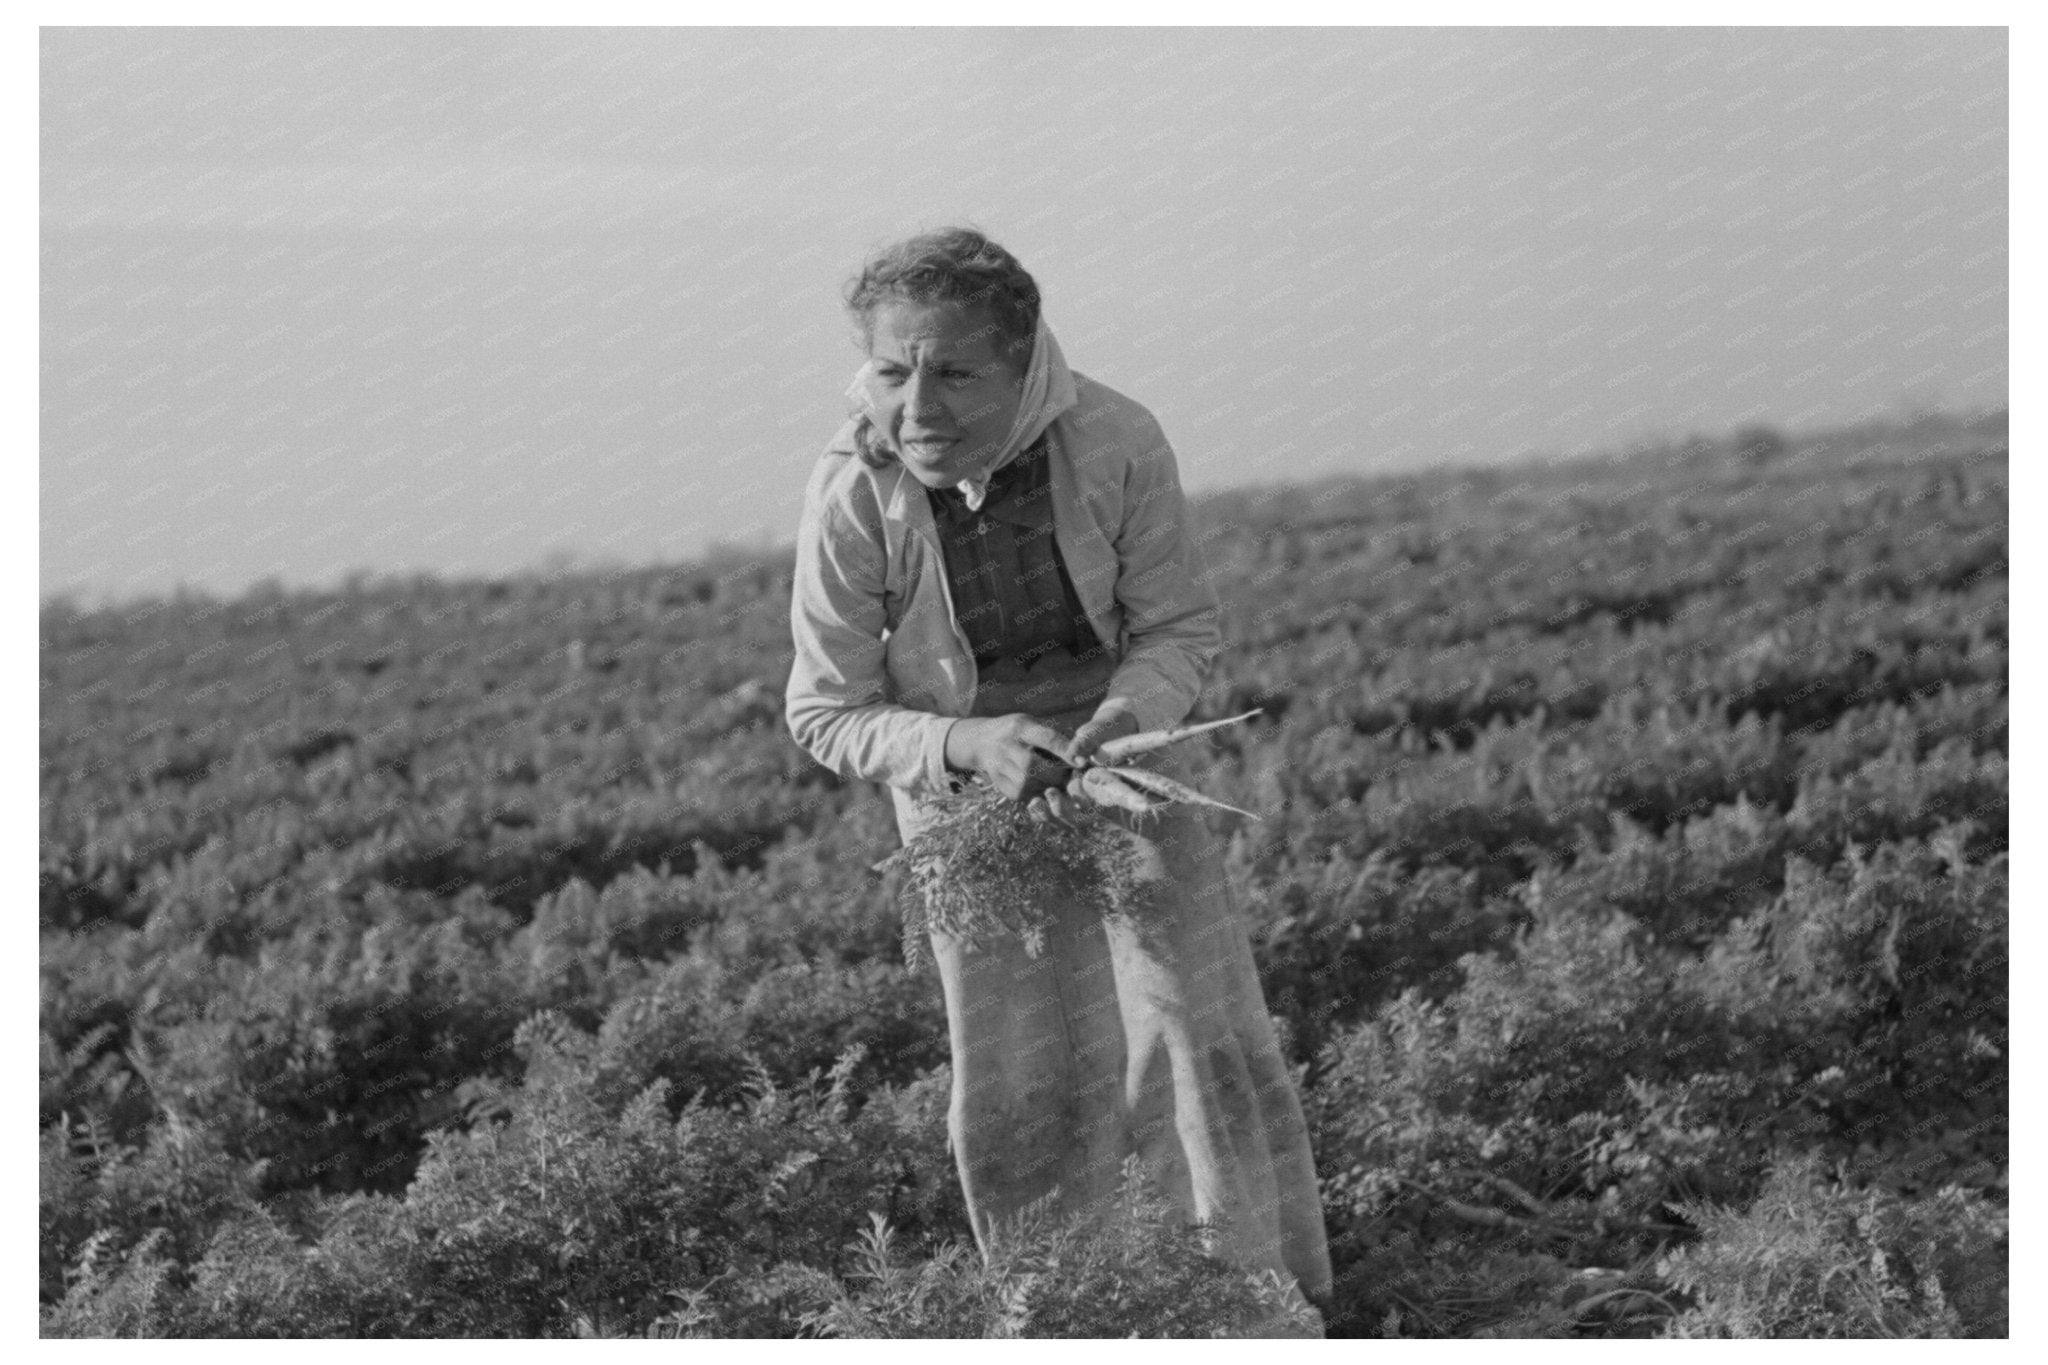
x=319, y=302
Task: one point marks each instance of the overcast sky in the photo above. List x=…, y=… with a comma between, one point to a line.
x=461, y=300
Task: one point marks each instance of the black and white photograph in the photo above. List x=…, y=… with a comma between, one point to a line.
x=905, y=675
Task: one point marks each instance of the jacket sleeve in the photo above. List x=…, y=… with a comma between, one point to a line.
x=1173, y=620
x=835, y=703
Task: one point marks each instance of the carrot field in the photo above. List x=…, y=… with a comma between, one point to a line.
x=458, y=958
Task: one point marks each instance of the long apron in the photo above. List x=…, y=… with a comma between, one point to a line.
x=1149, y=1038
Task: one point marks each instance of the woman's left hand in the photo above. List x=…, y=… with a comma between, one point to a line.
x=1068, y=806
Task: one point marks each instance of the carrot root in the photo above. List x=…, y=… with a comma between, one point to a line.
x=1128, y=746
x=1108, y=787
x=1167, y=789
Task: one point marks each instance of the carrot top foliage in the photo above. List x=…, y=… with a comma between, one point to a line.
x=1630, y=881
x=984, y=868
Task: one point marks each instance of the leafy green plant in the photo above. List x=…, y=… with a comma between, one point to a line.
x=1139, y=1272
x=1621, y=826
x=984, y=869
x=1811, y=1258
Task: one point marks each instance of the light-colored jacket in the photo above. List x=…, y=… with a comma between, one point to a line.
x=882, y=670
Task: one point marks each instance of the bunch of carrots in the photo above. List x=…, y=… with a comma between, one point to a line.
x=983, y=868
x=1108, y=781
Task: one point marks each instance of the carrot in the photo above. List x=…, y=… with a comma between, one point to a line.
x=1166, y=789
x=1109, y=787
x=1129, y=746
x=1142, y=792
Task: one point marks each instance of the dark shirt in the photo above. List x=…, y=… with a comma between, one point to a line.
x=1011, y=593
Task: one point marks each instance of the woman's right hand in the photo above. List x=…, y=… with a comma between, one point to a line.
x=1007, y=751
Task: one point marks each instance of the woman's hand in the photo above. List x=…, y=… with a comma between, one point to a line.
x=1081, y=748
x=1017, y=753
x=1055, y=804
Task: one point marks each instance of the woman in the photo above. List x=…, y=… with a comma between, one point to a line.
x=994, y=575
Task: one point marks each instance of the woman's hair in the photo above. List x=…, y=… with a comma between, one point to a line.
x=950, y=265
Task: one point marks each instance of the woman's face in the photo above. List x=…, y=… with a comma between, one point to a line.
x=942, y=390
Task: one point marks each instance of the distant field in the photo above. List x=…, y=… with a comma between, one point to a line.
x=1632, y=889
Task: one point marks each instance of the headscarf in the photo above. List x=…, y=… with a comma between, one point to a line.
x=1048, y=392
